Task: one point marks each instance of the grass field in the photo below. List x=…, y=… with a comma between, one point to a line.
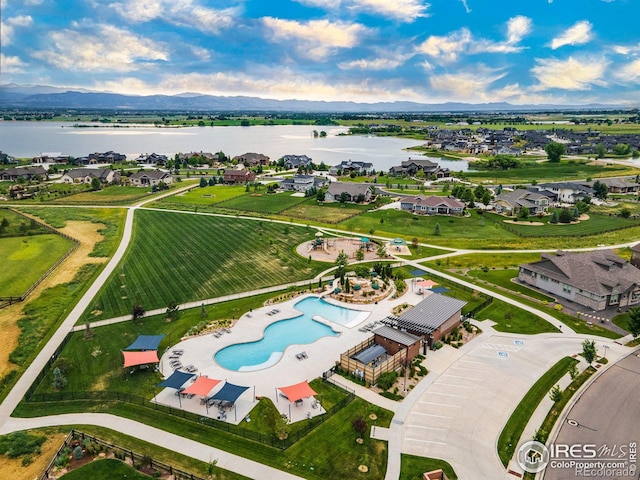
x=106, y=469
x=514, y=320
x=272, y=203
x=596, y=225
x=326, y=213
x=412, y=467
x=202, y=196
x=182, y=257
x=503, y=279
x=17, y=225
x=25, y=259
x=496, y=261
x=116, y=194
x=512, y=431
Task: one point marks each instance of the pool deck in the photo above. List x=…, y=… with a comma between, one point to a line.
x=288, y=370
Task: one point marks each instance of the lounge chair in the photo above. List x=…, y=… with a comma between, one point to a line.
x=299, y=356
x=304, y=355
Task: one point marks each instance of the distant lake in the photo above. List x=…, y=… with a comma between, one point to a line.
x=28, y=139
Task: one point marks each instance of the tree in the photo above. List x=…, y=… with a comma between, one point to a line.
x=625, y=212
x=360, y=254
x=245, y=123
x=95, y=183
x=343, y=197
x=600, y=189
x=523, y=213
x=555, y=394
x=360, y=426
x=622, y=149
x=555, y=151
x=601, y=150
x=589, y=350
x=341, y=262
x=212, y=181
x=566, y=216
x=320, y=195
x=172, y=310
x=634, y=321
x=203, y=182
x=137, y=311
x=436, y=229
x=486, y=198
x=381, y=251
x=59, y=380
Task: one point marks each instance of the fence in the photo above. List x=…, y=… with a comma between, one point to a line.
x=365, y=372
x=6, y=301
x=137, y=459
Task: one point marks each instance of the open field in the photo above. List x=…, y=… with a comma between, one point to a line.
x=514, y=320
x=476, y=261
x=12, y=468
x=503, y=278
x=201, y=196
x=273, y=203
x=326, y=213
x=116, y=194
x=182, y=257
x=105, y=469
x=596, y=225
x=17, y=226
x=25, y=259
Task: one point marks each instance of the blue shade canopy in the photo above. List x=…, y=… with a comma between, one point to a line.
x=176, y=380
x=440, y=290
x=417, y=272
x=146, y=342
x=230, y=392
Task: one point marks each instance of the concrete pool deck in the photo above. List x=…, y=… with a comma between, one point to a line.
x=287, y=370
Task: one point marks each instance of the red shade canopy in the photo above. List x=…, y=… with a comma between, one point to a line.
x=131, y=359
x=202, y=386
x=426, y=283
x=298, y=391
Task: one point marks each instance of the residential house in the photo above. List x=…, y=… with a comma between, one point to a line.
x=620, y=185
x=51, y=157
x=564, y=192
x=412, y=166
x=149, y=178
x=85, y=175
x=209, y=158
x=596, y=280
x=152, y=159
x=296, y=161
x=353, y=192
x=431, y=319
x=101, y=158
x=635, y=255
x=346, y=167
x=252, y=159
x=510, y=203
x=432, y=205
x=6, y=159
x=27, y=173
x=302, y=183
x=238, y=176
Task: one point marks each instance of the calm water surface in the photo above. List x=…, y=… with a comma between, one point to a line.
x=28, y=139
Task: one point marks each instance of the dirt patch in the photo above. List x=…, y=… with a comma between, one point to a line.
x=524, y=222
x=87, y=234
x=12, y=467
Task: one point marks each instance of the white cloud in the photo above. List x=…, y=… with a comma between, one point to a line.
x=621, y=49
x=201, y=53
x=317, y=38
x=6, y=32
x=20, y=21
x=629, y=73
x=402, y=10
x=324, y=4
x=466, y=7
x=372, y=64
x=446, y=48
x=31, y=3
x=186, y=13
x=11, y=64
x=569, y=74
x=470, y=86
x=106, y=48
x=578, y=34
x=517, y=28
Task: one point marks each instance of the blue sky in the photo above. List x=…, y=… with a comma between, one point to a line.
x=518, y=51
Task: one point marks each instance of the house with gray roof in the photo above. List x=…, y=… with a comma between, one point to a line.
x=348, y=166
x=432, y=319
x=353, y=192
x=432, y=205
x=302, y=183
x=565, y=192
x=149, y=178
x=619, y=185
x=252, y=159
x=596, y=280
x=510, y=203
x=85, y=175
x=28, y=173
x=296, y=161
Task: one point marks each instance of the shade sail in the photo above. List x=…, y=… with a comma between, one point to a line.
x=398, y=241
x=230, y=392
x=298, y=391
x=426, y=283
x=176, y=379
x=202, y=386
x=146, y=342
x=440, y=290
x=370, y=354
x=131, y=359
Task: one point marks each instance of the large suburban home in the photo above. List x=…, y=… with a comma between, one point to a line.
x=565, y=192
x=149, y=178
x=431, y=319
x=27, y=173
x=252, y=159
x=51, y=157
x=346, y=167
x=432, y=205
x=596, y=280
x=85, y=175
x=152, y=159
x=353, y=192
x=296, y=161
x=302, y=183
x=6, y=159
x=238, y=176
x=412, y=166
x=510, y=203
x=620, y=185
x=101, y=158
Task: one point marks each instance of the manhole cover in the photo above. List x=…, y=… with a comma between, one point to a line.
x=573, y=423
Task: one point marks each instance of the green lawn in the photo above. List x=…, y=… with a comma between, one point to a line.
x=263, y=203
x=503, y=279
x=514, y=320
x=325, y=213
x=106, y=469
x=25, y=259
x=412, y=467
x=512, y=431
x=622, y=320
x=182, y=257
x=17, y=226
x=496, y=261
x=201, y=196
x=115, y=194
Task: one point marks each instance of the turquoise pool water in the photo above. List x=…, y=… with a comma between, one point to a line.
x=278, y=336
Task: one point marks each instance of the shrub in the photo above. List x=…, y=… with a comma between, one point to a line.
x=437, y=345
x=386, y=380
x=558, y=307
x=20, y=443
x=77, y=453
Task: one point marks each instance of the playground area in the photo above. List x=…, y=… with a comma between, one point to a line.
x=326, y=249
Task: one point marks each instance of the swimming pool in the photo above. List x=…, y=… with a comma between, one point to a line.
x=278, y=336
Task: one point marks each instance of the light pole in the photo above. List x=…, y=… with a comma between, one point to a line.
x=406, y=358
x=606, y=347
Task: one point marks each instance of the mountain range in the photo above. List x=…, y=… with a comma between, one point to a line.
x=47, y=97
